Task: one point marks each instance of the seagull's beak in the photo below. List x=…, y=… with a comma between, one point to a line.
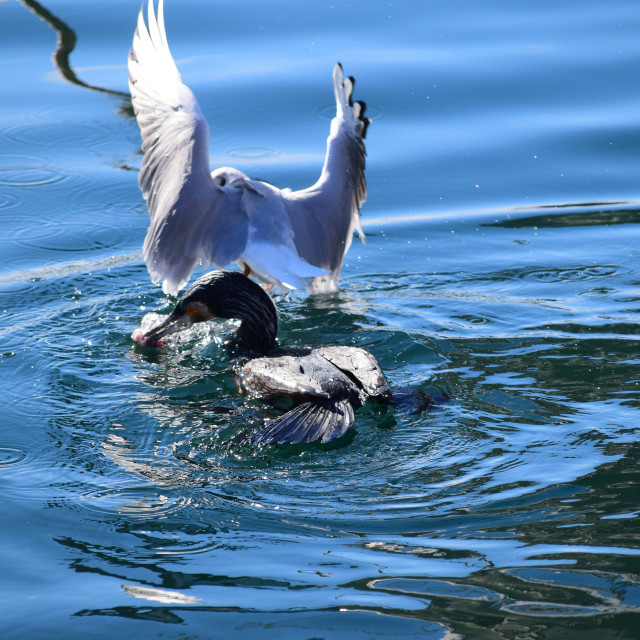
x=156, y=337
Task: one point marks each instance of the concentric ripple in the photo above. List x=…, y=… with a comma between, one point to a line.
x=570, y=274
x=55, y=235
x=137, y=502
x=9, y=201
x=252, y=153
x=27, y=171
x=68, y=135
x=10, y=456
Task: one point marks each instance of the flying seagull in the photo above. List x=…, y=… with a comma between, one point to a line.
x=295, y=239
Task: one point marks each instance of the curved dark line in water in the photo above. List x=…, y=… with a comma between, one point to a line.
x=66, y=44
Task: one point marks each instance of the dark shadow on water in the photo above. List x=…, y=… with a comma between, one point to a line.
x=149, y=613
x=591, y=214
x=66, y=44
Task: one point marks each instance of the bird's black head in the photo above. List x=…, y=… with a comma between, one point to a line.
x=222, y=294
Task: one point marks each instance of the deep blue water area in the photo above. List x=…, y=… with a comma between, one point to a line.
x=502, y=266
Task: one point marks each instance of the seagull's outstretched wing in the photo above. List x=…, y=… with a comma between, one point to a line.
x=325, y=215
x=192, y=218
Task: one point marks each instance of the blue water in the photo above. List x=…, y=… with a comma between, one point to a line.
x=501, y=264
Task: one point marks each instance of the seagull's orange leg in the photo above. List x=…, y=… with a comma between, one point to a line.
x=247, y=270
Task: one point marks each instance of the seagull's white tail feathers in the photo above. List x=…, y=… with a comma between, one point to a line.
x=281, y=267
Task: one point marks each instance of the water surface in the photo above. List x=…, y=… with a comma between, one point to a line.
x=501, y=264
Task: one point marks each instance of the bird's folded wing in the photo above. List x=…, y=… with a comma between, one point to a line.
x=358, y=364
x=191, y=217
x=277, y=377
x=325, y=215
x=308, y=422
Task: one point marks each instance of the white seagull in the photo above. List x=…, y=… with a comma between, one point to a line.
x=293, y=238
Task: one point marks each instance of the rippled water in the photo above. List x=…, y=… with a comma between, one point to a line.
x=501, y=265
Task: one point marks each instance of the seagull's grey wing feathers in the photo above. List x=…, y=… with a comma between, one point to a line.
x=325, y=215
x=191, y=217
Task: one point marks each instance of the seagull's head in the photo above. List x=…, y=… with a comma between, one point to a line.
x=228, y=177
x=221, y=294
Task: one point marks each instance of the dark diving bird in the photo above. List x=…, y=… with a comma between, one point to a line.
x=326, y=384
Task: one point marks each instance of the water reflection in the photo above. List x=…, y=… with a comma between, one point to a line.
x=66, y=44
x=346, y=622
x=442, y=581
x=600, y=214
